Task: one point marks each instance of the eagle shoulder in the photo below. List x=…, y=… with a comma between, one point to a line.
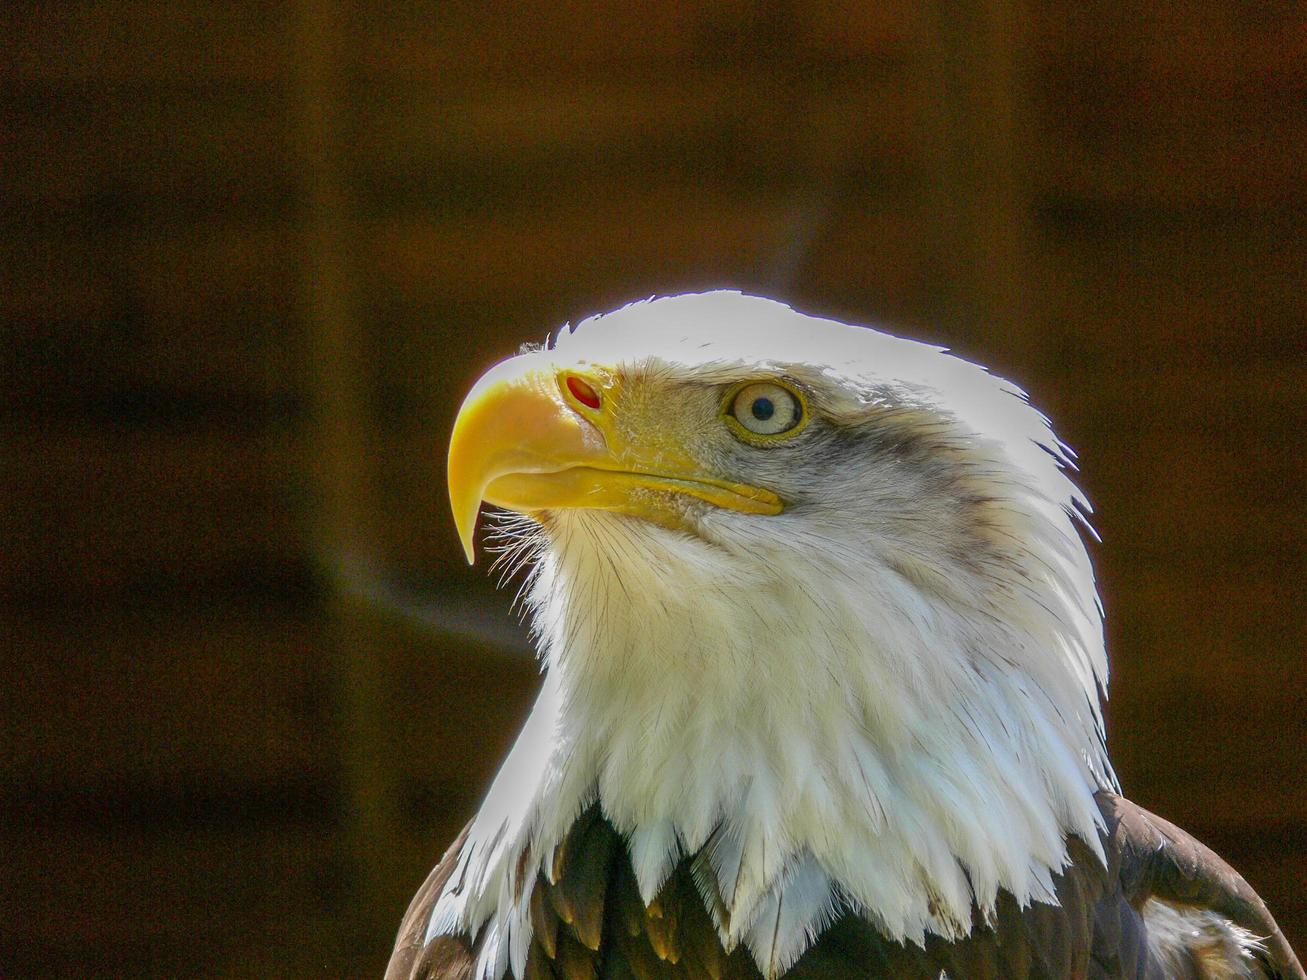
x=1156, y=862
x=444, y=957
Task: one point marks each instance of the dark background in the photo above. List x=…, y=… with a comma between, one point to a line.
x=254, y=253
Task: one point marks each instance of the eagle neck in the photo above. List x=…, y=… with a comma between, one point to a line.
x=849, y=748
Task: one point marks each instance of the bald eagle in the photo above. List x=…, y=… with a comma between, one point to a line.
x=824, y=670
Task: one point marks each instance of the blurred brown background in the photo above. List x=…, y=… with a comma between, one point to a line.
x=255, y=252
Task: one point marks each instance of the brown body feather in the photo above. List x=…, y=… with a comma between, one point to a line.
x=590, y=922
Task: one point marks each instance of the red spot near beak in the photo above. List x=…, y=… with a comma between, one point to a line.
x=582, y=392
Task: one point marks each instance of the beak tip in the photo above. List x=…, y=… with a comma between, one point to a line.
x=465, y=522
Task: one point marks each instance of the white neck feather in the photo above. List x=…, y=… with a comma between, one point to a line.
x=837, y=723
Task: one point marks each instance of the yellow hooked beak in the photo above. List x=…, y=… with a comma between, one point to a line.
x=532, y=436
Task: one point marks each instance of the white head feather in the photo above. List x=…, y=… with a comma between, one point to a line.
x=884, y=700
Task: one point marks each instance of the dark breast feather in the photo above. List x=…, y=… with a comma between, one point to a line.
x=590, y=922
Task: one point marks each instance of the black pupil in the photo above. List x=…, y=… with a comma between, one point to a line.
x=763, y=409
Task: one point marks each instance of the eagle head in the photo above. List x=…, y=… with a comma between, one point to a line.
x=811, y=603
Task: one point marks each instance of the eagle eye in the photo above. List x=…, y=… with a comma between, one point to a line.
x=764, y=409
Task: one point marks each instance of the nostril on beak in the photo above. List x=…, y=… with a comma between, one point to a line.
x=583, y=392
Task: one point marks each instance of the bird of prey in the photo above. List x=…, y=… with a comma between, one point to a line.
x=824, y=669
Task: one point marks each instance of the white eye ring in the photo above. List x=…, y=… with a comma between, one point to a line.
x=766, y=409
